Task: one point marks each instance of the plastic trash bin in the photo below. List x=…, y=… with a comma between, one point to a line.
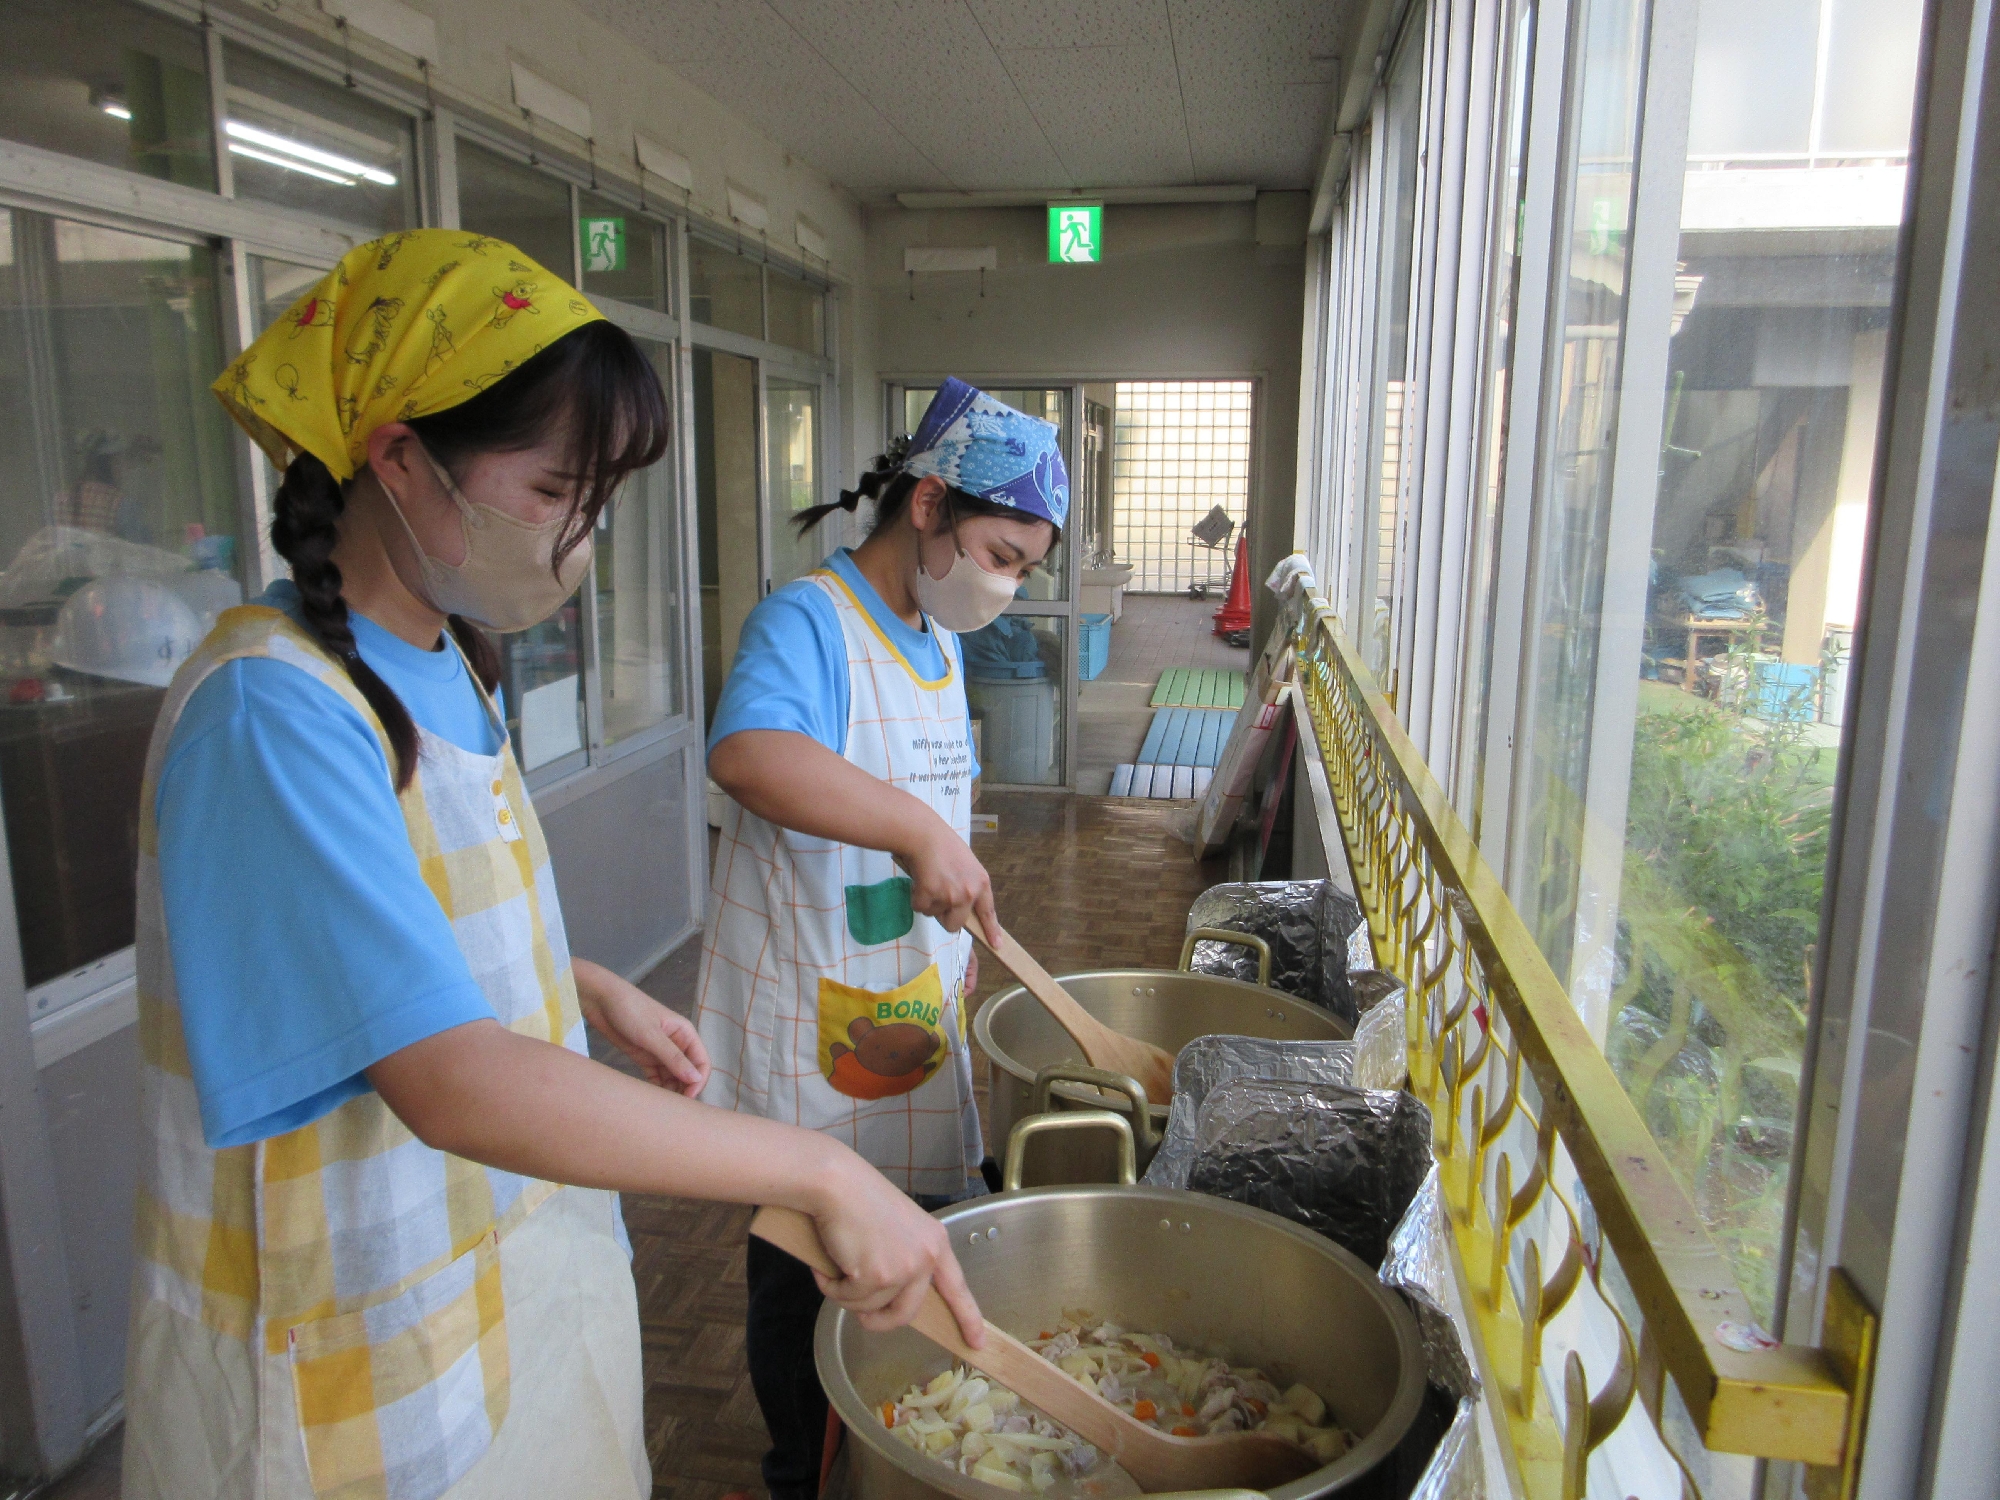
x=1016, y=703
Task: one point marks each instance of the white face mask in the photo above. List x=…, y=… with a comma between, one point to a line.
x=508, y=581
x=966, y=598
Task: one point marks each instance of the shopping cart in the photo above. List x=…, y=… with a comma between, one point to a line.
x=1211, y=534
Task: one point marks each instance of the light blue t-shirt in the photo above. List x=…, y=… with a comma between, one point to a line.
x=791, y=661
x=305, y=943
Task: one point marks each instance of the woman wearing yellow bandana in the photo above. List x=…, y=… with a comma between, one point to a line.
x=376, y=1254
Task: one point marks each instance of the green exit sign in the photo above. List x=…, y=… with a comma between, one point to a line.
x=603, y=244
x=1076, y=233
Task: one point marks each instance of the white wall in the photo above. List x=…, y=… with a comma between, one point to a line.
x=1183, y=291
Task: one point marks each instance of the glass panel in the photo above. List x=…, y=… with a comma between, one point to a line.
x=1509, y=215
x=1051, y=579
x=642, y=278
x=275, y=285
x=541, y=673
x=725, y=488
x=1014, y=686
x=302, y=143
x=798, y=313
x=1774, y=385
x=639, y=604
x=109, y=82
x=513, y=202
x=1580, y=410
x=791, y=468
x=1391, y=355
x=1181, y=451
x=725, y=290
x=118, y=516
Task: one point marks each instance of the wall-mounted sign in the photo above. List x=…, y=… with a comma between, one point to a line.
x=603, y=244
x=1076, y=233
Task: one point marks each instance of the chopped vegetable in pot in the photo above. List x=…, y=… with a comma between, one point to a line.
x=986, y=1431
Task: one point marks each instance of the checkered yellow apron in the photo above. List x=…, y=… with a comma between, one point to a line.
x=332, y=1311
x=824, y=1000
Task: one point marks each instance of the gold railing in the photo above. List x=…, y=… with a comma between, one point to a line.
x=1517, y=1086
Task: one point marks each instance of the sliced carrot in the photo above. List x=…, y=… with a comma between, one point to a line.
x=1185, y=1432
x=1255, y=1405
x=888, y=1414
x=1187, y=1411
x=1152, y=1360
x=1046, y=1334
x=1145, y=1411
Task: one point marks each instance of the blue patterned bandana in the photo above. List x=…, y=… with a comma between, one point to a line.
x=977, y=445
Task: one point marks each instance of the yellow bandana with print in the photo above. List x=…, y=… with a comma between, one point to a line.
x=403, y=327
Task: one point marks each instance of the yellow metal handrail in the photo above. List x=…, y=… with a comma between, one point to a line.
x=1483, y=1004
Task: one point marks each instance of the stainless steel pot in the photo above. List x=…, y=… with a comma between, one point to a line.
x=1211, y=1274
x=1166, y=1007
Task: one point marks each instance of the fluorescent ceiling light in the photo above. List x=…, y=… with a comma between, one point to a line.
x=116, y=110
x=271, y=158
x=238, y=131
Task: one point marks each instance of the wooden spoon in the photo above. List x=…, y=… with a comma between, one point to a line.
x=1159, y=1461
x=1102, y=1047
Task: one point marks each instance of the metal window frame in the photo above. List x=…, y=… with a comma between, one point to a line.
x=1514, y=516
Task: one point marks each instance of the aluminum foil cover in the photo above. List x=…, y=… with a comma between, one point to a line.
x=1209, y=1061
x=1345, y=1162
x=1307, y=924
x=1416, y=1266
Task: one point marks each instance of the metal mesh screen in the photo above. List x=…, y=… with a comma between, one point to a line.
x=1181, y=448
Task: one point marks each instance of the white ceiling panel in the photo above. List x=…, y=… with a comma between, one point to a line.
x=931, y=72
x=892, y=95
x=1113, y=112
x=1258, y=82
x=1073, y=23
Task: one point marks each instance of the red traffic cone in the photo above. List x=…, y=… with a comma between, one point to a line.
x=1234, y=616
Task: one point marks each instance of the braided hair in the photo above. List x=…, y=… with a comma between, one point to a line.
x=594, y=383
x=889, y=483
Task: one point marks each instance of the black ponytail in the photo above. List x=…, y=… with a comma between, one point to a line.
x=305, y=525
x=889, y=485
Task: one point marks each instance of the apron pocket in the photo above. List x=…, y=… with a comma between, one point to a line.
x=398, y=1400
x=876, y=1044
x=880, y=913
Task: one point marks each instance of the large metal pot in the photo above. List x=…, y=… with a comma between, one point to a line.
x=1166, y=1007
x=1211, y=1274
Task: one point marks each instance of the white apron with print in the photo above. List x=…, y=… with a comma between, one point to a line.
x=824, y=1000
x=342, y=1312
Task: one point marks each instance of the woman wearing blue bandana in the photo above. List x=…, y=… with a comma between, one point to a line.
x=836, y=962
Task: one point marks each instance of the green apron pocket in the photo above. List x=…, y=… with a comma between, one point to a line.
x=880, y=913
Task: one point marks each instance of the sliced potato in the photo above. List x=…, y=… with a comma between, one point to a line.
x=1305, y=1402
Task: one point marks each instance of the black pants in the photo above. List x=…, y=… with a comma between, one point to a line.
x=778, y=1341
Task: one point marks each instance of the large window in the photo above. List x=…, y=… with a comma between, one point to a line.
x=640, y=597
x=300, y=143
x=1180, y=452
x=120, y=540
x=1382, y=484
x=512, y=201
x=1785, y=265
x=1510, y=136
x=111, y=83
x=1579, y=415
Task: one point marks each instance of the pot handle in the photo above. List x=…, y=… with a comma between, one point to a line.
x=1068, y=1119
x=1224, y=935
x=1145, y=1139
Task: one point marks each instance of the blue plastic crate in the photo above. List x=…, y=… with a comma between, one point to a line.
x=1093, y=647
x=1782, y=692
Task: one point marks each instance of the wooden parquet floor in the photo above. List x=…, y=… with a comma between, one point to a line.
x=1084, y=883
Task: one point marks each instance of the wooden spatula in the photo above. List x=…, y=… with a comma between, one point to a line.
x=1102, y=1047
x=1159, y=1461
